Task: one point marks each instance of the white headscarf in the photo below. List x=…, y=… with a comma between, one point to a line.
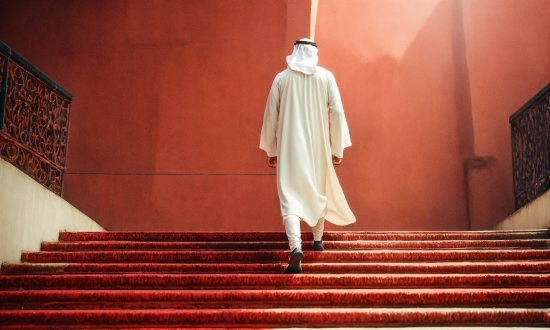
x=304, y=58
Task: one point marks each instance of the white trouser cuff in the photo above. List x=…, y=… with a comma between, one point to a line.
x=318, y=230
x=292, y=227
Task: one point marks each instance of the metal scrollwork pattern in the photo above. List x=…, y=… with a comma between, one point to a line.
x=35, y=127
x=36, y=116
x=531, y=149
x=32, y=164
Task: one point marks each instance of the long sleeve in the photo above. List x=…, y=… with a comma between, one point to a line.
x=339, y=131
x=268, y=138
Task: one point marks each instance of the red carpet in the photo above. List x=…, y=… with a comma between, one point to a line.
x=132, y=280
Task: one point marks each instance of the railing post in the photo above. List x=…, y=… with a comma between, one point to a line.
x=34, y=120
x=3, y=86
x=530, y=127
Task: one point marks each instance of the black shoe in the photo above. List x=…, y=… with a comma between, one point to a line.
x=295, y=262
x=318, y=246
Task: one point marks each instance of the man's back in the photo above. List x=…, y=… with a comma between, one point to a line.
x=297, y=111
x=304, y=129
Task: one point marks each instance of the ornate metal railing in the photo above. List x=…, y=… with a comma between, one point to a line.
x=34, y=120
x=531, y=148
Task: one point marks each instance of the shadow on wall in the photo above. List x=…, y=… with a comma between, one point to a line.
x=406, y=110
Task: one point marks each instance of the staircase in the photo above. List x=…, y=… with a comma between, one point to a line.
x=123, y=280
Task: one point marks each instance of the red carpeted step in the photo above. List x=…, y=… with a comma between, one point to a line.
x=281, y=256
x=350, y=298
x=329, y=245
x=306, y=236
x=309, y=268
x=235, y=279
x=287, y=317
x=270, y=281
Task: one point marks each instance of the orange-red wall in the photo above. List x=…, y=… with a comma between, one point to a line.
x=508, y=53
x=429, y=85
x=394, y=63
x=169, y=100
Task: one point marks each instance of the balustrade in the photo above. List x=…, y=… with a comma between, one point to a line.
x=531, y=148
x=34, y=120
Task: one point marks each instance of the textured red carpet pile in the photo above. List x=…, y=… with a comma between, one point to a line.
x=117, y=280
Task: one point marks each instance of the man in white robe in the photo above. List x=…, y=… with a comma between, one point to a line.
x=304, y=134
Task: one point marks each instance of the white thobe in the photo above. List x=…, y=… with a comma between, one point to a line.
x=304, y=125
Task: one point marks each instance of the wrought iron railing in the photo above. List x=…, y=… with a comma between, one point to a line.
x=34, y=120
x=531, y=148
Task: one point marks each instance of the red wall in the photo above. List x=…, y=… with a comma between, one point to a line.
x=169, y=100
x=508, y=49
x=394, y=63
x=429, y=85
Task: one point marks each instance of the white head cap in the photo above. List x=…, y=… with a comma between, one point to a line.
x=304, y=57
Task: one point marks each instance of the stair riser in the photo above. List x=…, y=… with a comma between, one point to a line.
x=309, y=268
x=262, y=299
x=286, y=317
x=306, y=236
x=207, y=281
x=249, y=246
x=244, y=305
x=282, y=256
